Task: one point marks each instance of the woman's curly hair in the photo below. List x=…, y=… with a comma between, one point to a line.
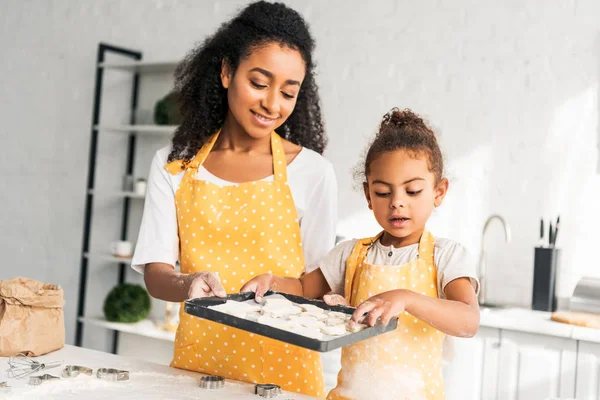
x=202, y=98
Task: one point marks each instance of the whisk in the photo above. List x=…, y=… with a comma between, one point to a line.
x=21, y=366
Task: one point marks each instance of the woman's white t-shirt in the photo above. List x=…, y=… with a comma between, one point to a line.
x=314, y=189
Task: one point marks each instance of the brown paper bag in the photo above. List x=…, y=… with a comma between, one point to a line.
x=31, y=317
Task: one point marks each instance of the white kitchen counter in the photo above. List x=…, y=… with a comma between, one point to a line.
x=147, y=381
x=525, y=320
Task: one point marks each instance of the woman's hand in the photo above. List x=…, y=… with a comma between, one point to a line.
x=204, y=284
x=259, y=285
x=385, y=306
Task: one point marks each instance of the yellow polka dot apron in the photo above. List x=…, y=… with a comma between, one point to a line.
x=240, y=231
x=407, y=362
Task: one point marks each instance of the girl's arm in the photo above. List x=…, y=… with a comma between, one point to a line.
x=312, y=285
x=457, y=315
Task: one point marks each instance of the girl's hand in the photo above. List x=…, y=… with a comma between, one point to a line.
x=384, y=306
x=205, y=284
x=259, y=285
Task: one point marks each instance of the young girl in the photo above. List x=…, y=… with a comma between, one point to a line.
x=404, y=271
x=231, y=199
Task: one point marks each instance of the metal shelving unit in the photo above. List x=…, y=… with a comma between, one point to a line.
x=136, y=66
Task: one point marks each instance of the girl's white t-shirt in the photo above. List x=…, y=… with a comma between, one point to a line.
x=452, y=261
x=314, y=189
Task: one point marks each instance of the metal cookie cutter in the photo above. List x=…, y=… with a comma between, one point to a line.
x=212, y=382
x=268, y=391
x=71, y=371
x=38, y=380
x=111, y=374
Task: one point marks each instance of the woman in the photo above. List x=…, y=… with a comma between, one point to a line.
x=231, y=199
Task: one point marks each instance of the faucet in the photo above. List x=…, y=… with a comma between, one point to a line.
x=482, y=267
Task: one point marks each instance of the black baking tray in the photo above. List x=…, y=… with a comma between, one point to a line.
x=199, y=308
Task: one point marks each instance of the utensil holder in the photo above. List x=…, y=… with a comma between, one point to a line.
x=546, y=262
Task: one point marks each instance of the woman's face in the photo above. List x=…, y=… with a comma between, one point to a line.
x=263, y=91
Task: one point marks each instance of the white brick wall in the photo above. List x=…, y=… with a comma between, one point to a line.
x=512, y=87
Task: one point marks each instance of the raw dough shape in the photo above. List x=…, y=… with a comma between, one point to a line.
x=277, y=301
x=236, y=306
x=276, y=322
x=230, y=308
x=253, y=316
x=335, y=321
x=335, y=330
x=341, y=315
x=311, y=308
x=308, y=322
x=248, y=307
x=312, y=333
x=320, y=316
x=355, y=327
x=280, y=310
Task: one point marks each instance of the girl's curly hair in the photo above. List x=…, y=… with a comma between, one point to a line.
x=403, y=130
x=202, y=98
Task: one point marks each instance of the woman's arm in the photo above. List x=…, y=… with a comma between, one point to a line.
x=163, y=282
x=318, y=224
x=312, y=285
x=458, y=315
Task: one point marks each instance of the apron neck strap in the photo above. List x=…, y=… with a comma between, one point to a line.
x=358, y=255
x=279, y=161
x=175, y=167
x=426, y=246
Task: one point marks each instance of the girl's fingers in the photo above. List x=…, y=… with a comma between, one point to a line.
x=365, y=307
x=387, y=316
x=374, y=314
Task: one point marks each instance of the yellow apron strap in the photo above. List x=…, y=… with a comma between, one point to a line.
x=279, y=161
x=175, y=167
x=427, y=247
x=358, y=255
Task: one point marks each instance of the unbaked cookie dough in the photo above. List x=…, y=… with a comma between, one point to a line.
x=303, y=319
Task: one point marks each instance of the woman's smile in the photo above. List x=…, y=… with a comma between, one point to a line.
x=262, y=120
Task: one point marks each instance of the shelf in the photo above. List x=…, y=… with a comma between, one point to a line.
x=145, y=328
x=131, y=195
x=107, y=257
x=144, y=129
x=142, y=66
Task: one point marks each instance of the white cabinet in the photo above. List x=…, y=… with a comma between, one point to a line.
x=588, y=371
x=473, y=372
x=534, y=366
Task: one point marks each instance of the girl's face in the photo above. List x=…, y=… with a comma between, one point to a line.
x=402, y=193
x=263, y=91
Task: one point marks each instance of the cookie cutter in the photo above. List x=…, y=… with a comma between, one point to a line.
x=71, y=371
x=212, y=382
x=268, y=390
x=111, y=374
x=4, y=385
x=38, y=380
